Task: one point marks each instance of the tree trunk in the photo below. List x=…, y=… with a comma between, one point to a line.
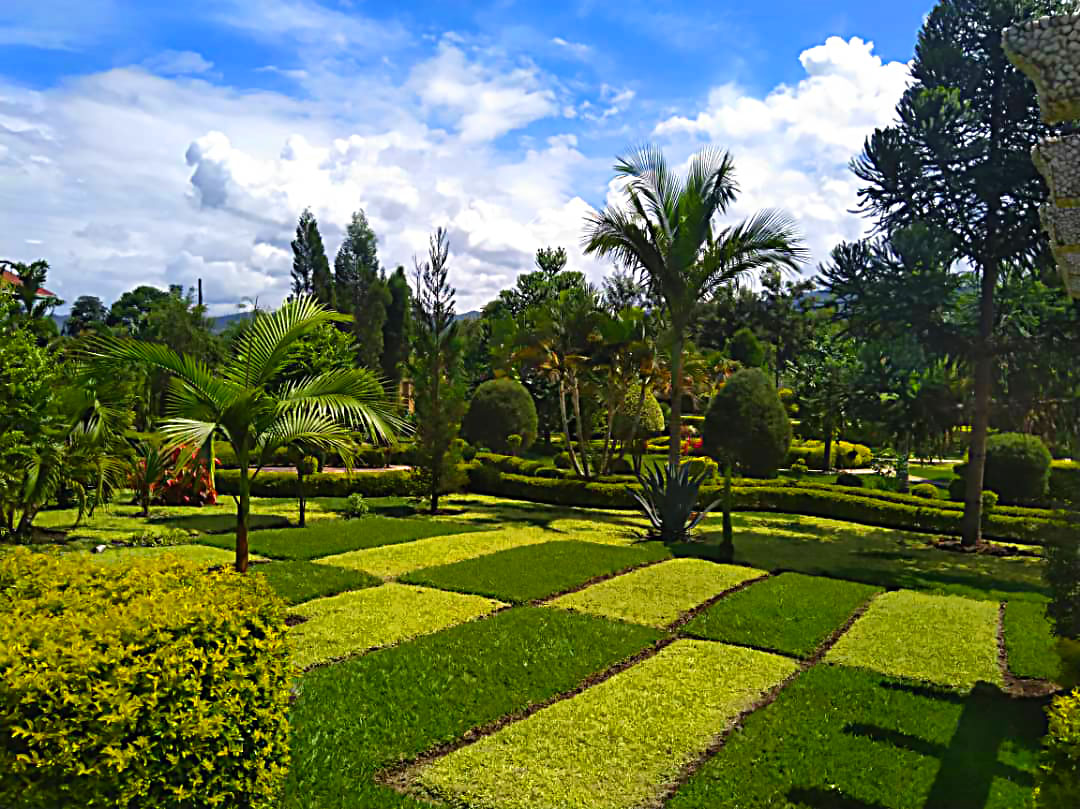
x=903, y=464
x=605, y=460
x=583, y=437
x=301, y=498
x=825, y=461
x=566, y=427
x=980, y=423
x=729, y=534
x=243, y=506
x=675, y=428
x=637, y=423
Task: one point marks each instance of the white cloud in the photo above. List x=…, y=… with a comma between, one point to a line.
x=178, y=63
x=792, y=146
x=578, y=50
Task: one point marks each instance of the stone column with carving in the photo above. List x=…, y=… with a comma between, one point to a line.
x=1047, y=50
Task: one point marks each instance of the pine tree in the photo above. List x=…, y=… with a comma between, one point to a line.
x=311, y=269
x=437, y=372
x=396, y=328
x=361, y=291
x=958, y=159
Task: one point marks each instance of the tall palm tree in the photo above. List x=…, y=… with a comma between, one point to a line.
x=242, y=403
x=669, y=236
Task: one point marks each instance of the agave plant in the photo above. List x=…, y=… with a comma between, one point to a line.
x=669, y=496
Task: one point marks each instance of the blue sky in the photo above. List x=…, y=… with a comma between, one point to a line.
x=160, y=143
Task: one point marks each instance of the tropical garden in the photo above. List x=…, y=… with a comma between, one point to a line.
x=725, y=530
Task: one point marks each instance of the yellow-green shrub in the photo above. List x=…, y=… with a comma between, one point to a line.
x=1059, y=772
x=158, y=684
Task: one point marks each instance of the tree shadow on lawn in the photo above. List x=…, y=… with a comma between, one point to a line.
x=498, y=514
x=892, y=564
x=968, y=764
x=219, y=523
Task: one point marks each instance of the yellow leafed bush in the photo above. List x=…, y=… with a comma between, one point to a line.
x=158, y=684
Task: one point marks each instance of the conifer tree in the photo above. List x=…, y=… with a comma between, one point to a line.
x=361, y=291
x=396, y=328
x=311, y=269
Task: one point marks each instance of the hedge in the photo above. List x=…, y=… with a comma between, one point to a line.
x=814, y=501
x=157, y=683
x=1064, y=483
x=367, y=455
x=383, y=483
x=843, y=455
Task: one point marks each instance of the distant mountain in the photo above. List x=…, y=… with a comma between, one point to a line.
x=221, y=322
x=475, y=313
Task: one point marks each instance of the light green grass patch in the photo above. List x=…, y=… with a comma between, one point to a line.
x=193, y=553
x=615, y=745
x=394, y=560
x=378, y=616
x=657, y=595
x=1030, y=642
x=947, y=640
x=790, y=613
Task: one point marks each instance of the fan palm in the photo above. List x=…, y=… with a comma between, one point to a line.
x=669, y=237
x=242, y=402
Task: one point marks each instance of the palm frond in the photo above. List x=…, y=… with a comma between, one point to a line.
x=354, y=396
x=769, y=238
x=312, y=428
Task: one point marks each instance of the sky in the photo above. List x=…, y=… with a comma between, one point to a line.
x=158, y=143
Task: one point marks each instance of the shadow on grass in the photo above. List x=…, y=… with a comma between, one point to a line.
x=219, y=523
x=968, y=764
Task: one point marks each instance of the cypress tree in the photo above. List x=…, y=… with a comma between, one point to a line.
x=396, y=328
x=361, y=291
x=311, y=269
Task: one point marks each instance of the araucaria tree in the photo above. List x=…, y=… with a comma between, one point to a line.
x=958, y=159
x=311, y=269
x=436, y=370
x=670, y=238
x=242, y=403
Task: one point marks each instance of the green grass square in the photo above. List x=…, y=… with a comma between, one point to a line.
x=1030, y=641
x=790, y=613
x=299, y=580
x=532, y=572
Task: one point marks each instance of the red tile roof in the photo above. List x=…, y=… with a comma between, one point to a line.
x=13, y=279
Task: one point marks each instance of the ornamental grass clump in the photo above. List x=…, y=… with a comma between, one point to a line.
x=158, y=684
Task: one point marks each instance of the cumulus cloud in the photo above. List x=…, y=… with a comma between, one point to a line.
x=792, y=146
x=178, y=63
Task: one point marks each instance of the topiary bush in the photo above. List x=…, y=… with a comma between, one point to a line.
x=1058, y=783
x=747, y=421
x=500, y=408
x=651, y=421
x=562, y=461
x=745, y=347
x=927, y=491
x=154, y=684
x=1017, y=468
x=850, y=480
x=843, y=454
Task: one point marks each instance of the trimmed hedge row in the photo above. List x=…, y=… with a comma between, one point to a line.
x=843, y=455
x=921, y=515
x=1064, y=486
x=383, y=483
x=368, y=456
x=156, y=683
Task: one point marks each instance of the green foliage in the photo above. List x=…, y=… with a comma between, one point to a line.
x=360, y=291
x=514, y=442
x=326, y=537
x=398, y=326
x=355, y=506
x=791, y=613
x=746, y=423
x=927, y=491
x=840, y=737
x=434, y=689
x=382, y=483
x=1059, y=768
x=562, y=460
x=296, y=581
x=533, y=572
x=1062, y=573
x=651, y=420
x=650, y=720
x=1017, y=468
x=360, y=620
x=946, y=640
x=843, y=455
x=499, y=408
x=989, y=501
x=669, y=499
x=799, y=469
x=311, y=269
x=149, y=684
x=849, y=480
x=1029, y=640
x=658, y=594
x=745, y=348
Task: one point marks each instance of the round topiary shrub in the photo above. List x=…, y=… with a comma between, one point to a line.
x=927, y=491
x=1017, y=468
x=747, y=422
x=652, y=417
x=850, y=480
x=500, y=408
x=562, y=460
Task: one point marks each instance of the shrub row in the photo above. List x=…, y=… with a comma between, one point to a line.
x=368, y=455
x=150, y=684
x=384, y=483
x=843, y=454
x=814, y=501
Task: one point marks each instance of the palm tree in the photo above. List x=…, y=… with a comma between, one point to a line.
x=670, y=238
x=242, y=402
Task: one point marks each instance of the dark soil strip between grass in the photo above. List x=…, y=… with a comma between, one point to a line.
x=764, y=701
x=402, y=776
x=370, y=649
x=1018, y=686
x=539, y=602
x=693, y=612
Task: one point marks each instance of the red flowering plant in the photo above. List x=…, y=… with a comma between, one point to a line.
x=188, y=481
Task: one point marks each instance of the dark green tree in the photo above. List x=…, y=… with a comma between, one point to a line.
x=396, y=328
x=745, y=347
x=88, y=313
x=959, y=159
x=361, y=291
x=130, y=311
x=311, y=269
x=824, y=383
x=498, y=409
x=436, y=372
